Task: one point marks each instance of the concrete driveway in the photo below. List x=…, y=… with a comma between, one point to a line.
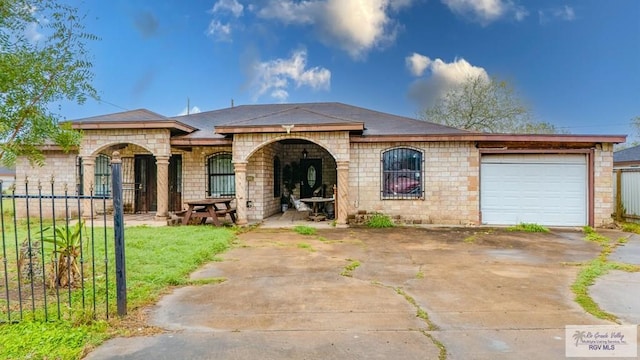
x=474, y=293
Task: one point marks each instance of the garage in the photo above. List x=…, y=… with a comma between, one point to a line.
x=546, y=189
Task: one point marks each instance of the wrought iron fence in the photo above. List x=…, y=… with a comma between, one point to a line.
x=55, y=263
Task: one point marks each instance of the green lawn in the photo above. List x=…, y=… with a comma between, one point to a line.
x=156, y=258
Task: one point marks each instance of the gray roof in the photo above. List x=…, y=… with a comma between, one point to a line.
x=132, y=115
x=626, y=155
x=375, y=123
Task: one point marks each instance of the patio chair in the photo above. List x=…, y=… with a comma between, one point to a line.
x=299, y=205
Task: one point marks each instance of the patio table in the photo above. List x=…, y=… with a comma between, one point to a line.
x=316, y=201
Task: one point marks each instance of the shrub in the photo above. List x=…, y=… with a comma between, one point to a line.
x=528, y=227
x=380, y=221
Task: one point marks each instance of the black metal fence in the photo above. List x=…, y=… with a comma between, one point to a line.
x=55, y=263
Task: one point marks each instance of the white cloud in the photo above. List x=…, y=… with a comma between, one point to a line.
x=230, y=6
x=32, y=34
x=185, y=111
x=565, y=13
x=219, y=31
x=355, y=26
x=290, y=12
x=275, y=77
x=229, y=10
x=486, y=11
x=32, y=31
x=417, y=63
x=442, y=77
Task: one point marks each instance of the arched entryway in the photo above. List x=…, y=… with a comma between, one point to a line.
x=269, y=172
x=151, y=183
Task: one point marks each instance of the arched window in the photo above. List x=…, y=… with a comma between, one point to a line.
x=220, y=175
x=277, y=177
x=102, y=176
x=402, y=174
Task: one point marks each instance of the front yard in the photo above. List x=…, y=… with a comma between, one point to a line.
x=157, y=258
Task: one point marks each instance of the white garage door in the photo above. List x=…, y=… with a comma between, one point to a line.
x=541, y=189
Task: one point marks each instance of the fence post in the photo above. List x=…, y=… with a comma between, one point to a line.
x=118, y=230
x=619, y=210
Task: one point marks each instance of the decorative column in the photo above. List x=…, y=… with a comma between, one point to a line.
x=241, y=192
x=88, y=176
x=162, y=184
x=342, y=197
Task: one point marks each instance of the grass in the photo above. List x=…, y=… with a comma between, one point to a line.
x=379, y=221
x=595, y=268
x=420, y=313
x=470, y=239
x=631, y=227
x=157, y=258
x=528, y=227
x=348, y=270
x=305, y=230
x=306, y=246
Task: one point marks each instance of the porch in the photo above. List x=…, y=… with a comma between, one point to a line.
x=289, y=219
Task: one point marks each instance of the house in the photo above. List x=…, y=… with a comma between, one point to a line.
x=8, y=177
x=625, y=158
x=415, y=171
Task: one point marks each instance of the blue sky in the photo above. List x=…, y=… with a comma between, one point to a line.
x=575, y=63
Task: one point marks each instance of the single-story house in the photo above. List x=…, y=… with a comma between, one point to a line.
x=412, y=170
x=625, y=158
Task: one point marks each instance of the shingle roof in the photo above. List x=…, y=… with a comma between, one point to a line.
x=131, y=115
x=375, y=123
x=627, y=155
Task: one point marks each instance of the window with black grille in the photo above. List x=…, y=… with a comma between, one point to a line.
x=402, y=174
x=277, y=177
x=102, y=178
x=221, y=176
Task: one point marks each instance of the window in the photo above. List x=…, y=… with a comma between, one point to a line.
x=102, y=178
x=277, y=178
x=402, y=174
x=221, y=177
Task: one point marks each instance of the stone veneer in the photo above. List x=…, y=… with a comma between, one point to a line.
x=603, y=185
x=451, y=172
x=451, y=190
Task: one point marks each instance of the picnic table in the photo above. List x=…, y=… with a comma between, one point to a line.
x=209, y=208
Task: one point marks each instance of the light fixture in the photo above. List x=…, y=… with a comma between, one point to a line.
x=304, y=153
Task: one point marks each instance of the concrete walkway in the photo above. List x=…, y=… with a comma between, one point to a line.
x=618, y=292
x=490, y=294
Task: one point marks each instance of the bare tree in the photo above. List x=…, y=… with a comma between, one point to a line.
x=485, y=105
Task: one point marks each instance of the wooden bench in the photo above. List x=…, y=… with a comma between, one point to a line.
x=224, y=212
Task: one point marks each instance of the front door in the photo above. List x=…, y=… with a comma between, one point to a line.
x=175, y=183
x=145, y=183
x=310, y=177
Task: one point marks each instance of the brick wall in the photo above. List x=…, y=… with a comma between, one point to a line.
x=59, y=166
x=450, y=184
x=155, y=141
x=603, y=201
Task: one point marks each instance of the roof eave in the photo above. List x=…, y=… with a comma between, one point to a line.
x=231, y=129
x=201, y=141
x=110, y=125
x=557, y=138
